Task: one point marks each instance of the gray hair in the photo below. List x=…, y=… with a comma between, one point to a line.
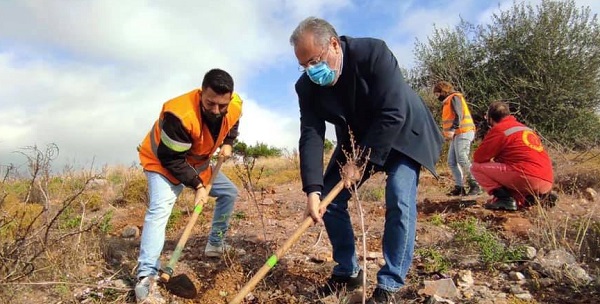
x=321, y=29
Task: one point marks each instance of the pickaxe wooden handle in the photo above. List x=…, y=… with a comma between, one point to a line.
x=167, y=272
x=262, y=272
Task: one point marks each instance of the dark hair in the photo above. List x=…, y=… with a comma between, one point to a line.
x=444, y=88
x=498, y=110
x=219, y=81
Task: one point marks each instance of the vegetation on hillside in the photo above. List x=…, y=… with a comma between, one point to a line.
x=544, y=60
x=68, y=237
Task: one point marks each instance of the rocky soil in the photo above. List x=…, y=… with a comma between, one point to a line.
x=549, y=272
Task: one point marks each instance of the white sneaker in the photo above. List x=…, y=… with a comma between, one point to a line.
x=146, y=291
x=218, y=251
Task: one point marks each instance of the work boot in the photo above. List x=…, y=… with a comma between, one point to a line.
x=502, y=201
x=457, y=191
x=218, y=251
x=142, y=289
x=474, y=189
x=546, y=200
x=336, y=284
x=549, y=199
x=146, y=291
x=382, y=296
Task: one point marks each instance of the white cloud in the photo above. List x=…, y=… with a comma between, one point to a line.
x=258, y=124
x=91, y=76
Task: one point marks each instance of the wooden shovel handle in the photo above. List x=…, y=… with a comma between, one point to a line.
x=165, y=274
x=262, y=272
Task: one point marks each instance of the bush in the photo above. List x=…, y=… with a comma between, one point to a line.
x=433, y=260
x=543, y=60
x=491, y=249
x=134, y=192
x=372, y=194
x=256, y=151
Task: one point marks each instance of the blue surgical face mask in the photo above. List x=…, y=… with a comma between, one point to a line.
x=321, y=74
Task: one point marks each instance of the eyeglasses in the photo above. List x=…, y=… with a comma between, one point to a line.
x=313, y=61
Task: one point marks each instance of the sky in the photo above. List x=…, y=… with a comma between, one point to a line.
x=91, y=75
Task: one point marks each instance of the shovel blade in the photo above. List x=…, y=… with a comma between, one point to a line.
x=181, y=286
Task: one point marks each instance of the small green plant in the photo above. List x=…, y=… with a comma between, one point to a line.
x=515, y=300
x=375, y=194
x=239, y=215
x=105, y=225
x=93, y=200
x=491, y=249
x=436, y=220
x=433, y=260
x=134, y=192
x=62, y=289
x=69, y=219
x=175, y=216
x=464, y=228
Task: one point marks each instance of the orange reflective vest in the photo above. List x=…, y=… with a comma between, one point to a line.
x=448, y=116
x=187, y=108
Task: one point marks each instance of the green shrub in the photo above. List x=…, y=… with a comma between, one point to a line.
x=433, y=260
x=491, y=249
x=69, y=219
x=436, y=220
x=134, y=192
x=372, y=194
x=174, y=218
x=239, y=215
x=256, y=151
x=105, y=225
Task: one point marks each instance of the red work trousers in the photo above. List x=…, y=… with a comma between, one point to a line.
x=491, y=176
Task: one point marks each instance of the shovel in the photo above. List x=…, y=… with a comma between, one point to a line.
x=181, y=285
x=262, y=272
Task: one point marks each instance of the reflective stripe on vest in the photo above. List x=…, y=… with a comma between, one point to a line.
x=529, y=138
x=513, y=130
x=173, y=144
x=200, y=158
x=197, y=153
x=448, y=116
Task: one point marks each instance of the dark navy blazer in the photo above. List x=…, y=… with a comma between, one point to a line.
x=372, y=99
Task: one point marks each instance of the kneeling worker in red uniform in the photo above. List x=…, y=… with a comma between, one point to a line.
x=511, y=164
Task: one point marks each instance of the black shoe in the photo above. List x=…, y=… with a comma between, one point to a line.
x=502, y=200
x=382, y=296
x=474, y=189
x=504, y=203
x=549, y=199
x=336, y=284
x=457, y=191
x=531, y=200
x=545, y=200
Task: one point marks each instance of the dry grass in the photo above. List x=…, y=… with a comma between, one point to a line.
x=266, y=171
x=574, y=172
x=52, y=251
x=574, y=225
x=18, y=215
x=76, y=257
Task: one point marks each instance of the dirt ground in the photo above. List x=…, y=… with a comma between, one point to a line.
x=260, y=227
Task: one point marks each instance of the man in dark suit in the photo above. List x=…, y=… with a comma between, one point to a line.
x=356, y=84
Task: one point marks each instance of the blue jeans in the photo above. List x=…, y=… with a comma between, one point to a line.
x=162, y=195
x=399, y=228
x=459, y=158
